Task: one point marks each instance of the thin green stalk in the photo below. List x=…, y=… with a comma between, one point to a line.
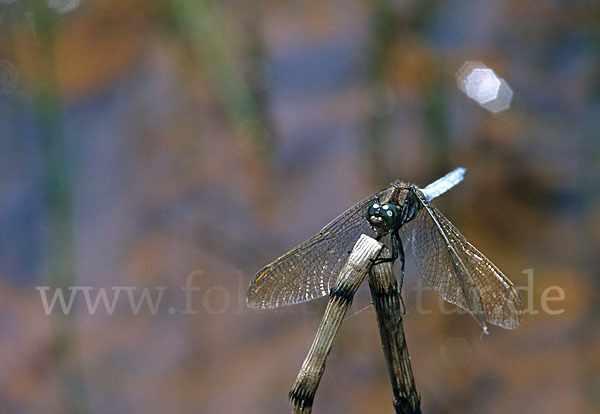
x=57, y=197
x=200, y=23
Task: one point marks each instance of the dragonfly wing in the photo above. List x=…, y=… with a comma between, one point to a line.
x=309, y=270
x=460, y=273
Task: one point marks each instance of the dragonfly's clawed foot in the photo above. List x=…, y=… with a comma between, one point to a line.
x=382, y=260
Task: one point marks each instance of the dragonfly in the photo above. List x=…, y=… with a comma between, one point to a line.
x=400, y=215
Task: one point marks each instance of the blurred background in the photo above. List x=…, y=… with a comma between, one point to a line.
x=162, y=144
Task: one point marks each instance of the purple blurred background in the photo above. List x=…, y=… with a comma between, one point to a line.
x=159, y=144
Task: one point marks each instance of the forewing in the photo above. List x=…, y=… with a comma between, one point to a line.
x=459, y=272
x=308, y=271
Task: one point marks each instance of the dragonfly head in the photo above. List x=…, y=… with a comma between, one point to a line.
x=383, y=218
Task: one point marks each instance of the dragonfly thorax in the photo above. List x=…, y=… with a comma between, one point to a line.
x=383, y=218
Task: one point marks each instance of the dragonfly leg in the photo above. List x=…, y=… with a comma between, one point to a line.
x=398, y=252
x=397, y=249
x=385, y=259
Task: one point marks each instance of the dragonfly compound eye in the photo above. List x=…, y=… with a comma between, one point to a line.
x=383, y=218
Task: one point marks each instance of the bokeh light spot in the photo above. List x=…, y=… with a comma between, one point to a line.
x=482, y=85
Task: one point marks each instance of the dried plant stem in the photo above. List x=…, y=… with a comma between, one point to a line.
x=351, y=276
x=387, y=302
x=386, y=299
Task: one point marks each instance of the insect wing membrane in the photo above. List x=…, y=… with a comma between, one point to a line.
x=309, y=270
x=459, y=272
x=501, y=300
